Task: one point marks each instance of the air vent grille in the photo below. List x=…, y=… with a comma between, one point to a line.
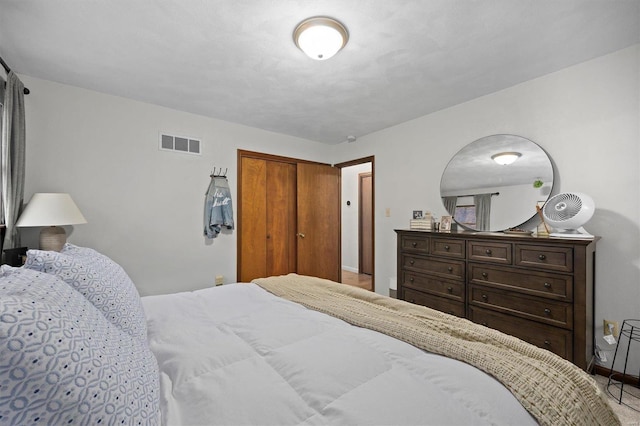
x=180, y=144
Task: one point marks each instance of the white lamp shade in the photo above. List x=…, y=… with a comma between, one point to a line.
x=50, y=209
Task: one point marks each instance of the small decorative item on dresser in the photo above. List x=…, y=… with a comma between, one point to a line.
x=542, y=230
x=421, y=221
x=445, y=223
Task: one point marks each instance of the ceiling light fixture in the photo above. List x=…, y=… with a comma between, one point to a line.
x=505, y=158
x=320, y=37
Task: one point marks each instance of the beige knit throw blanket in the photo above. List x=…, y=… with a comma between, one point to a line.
x=552, y=389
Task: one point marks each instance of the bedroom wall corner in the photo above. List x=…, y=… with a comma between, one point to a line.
x=144, y=206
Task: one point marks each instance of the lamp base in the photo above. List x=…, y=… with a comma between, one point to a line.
x=52, y=238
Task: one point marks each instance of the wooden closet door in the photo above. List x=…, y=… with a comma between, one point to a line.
x=252, y=220
x=280, y=198
x=318, y=201
x=267, y=242
x=281, y=218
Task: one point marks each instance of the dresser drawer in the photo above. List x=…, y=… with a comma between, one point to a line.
x=556, y=340
x=488, y=251
x=437, y=286
x=447, y=247
x=545, y=257
x=544, y=310
x=415, y=243
x=448, y=306
x=544, y=284
x=452, y=269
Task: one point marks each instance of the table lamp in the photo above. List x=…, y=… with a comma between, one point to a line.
x=51, y=210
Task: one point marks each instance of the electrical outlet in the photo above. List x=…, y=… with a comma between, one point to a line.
x=607, y=330
x=219, y=279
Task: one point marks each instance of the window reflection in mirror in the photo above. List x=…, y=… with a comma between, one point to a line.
x=483, y=191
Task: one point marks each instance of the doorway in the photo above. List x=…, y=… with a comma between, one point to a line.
x=357, y=219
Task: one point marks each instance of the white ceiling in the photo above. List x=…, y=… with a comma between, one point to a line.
x=235, y=59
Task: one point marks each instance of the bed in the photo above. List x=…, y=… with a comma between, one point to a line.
x=79, y=346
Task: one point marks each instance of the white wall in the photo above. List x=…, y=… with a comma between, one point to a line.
x=144, y=206
x=350, y=192
x=586, y=117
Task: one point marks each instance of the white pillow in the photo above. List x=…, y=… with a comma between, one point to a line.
x=62, y=362
x=102, y=281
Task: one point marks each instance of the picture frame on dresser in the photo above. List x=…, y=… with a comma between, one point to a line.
x=445, y=223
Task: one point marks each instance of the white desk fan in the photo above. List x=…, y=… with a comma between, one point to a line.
x=567, y=212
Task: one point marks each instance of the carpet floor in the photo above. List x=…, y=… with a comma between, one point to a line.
x=629, y=410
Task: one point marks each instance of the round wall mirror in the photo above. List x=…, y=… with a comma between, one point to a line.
x=494, y=183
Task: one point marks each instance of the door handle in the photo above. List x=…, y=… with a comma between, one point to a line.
x=300, y=234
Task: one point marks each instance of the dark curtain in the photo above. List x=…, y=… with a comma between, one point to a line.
x=12, y=157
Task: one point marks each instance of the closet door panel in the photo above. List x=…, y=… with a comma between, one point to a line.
x=281, y=218
x=253, y=220
x=318, y=202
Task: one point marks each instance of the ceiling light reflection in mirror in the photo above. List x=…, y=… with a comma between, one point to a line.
x=506, y=158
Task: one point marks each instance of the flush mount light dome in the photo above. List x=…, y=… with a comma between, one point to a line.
x=320, y=37
x=505, y=158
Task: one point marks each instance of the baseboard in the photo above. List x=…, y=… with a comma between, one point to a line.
x=604, y=371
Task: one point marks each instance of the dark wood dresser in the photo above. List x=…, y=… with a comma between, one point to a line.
x=539, y=289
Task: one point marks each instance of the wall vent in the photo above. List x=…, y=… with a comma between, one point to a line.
x=180, y=144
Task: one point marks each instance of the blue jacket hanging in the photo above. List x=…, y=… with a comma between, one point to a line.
x=218, y=209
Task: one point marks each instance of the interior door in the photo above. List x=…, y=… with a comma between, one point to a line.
x=318, y=201
x=281, y=218
x=365, y=224
x=252, y=247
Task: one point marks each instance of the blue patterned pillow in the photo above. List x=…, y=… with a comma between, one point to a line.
x=62, y=362
x=102, y=281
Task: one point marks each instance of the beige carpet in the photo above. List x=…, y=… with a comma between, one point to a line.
x=628, y=416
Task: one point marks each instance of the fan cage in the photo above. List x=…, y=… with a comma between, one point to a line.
x=563, y=207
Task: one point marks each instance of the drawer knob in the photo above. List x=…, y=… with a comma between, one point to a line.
x=547, y=285
x=450, y=289
x=488, y=252
x=485, y=275
x=412, y=301
x=485, y=324
x=446, y=248
x=414, y=244
x=411, y=279
x=412, y=261
x=484, y=297
x=450, y=269
x=542, y=257
x=547, y=311
x=547, y=343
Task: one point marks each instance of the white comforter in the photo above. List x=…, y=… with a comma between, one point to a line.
x=237, y=355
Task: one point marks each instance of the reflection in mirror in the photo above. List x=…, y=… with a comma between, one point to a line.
x=494, y=183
